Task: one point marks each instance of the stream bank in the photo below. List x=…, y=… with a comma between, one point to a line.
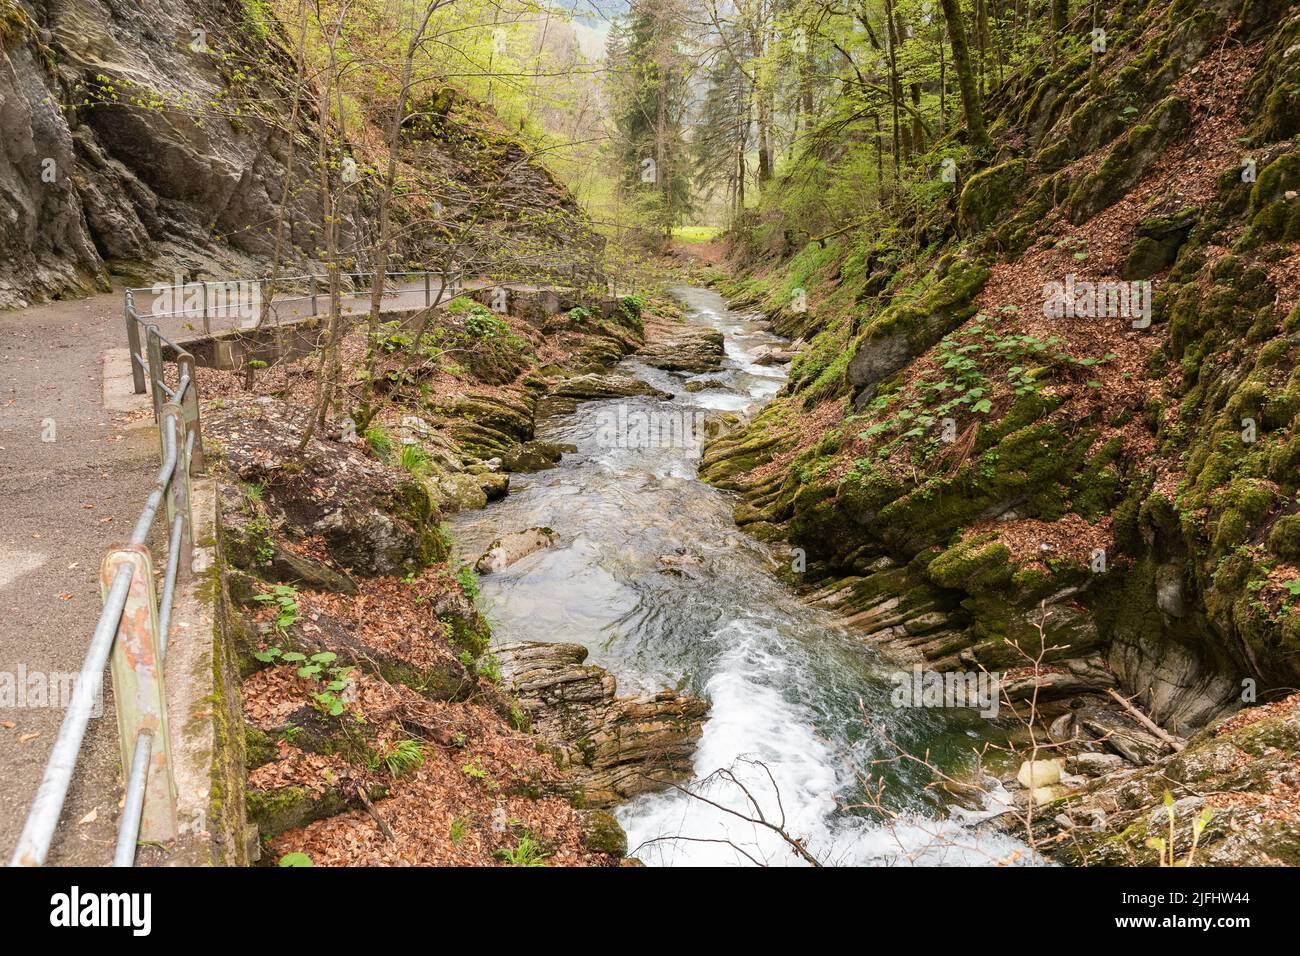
x=649, y=575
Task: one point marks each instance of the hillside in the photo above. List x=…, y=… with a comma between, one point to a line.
x=963, y=458
x=180, y=138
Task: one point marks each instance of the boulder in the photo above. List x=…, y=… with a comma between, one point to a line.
x=459, y=492
x=614, y=747
x=703, y=384
x=508, y=549
x=594, y=386
x=290, y=567
x=534, y=455
x=372, y=518
x=685, y=349
x=495, y=484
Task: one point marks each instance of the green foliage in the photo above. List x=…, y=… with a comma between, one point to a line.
x=380, y=441
x=320, y=667
x=403, y=757
x=415, y=460
x=295, y=859
x=528, y=852
x=285, y=599
x=468, y=579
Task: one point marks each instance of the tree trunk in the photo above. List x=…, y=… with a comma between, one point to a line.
x=970, y=97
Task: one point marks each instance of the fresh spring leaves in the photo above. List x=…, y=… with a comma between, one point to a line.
x=961, y=381
x=320, y=667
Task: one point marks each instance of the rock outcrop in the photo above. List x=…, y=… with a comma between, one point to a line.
x=113, y=158
x=614, y=747
x=1231, y=790
x=691, y=349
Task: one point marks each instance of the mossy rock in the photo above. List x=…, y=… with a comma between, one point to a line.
x=1131, y=157
x=1284, y=539
x=287, y=808
x=1274, y=204
x=907, y=328
x=602, y=833
x=988, y=195
x=972, y=566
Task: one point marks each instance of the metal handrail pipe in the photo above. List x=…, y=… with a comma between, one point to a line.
x=155, y=498
x=128, y=828
x=38, y=831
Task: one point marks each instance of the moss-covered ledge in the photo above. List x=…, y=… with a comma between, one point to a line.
x=203, y=705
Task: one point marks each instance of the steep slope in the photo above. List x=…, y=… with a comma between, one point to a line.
x=962, y=462
x=146, y=140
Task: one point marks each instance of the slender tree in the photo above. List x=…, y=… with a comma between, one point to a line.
x=961, y=62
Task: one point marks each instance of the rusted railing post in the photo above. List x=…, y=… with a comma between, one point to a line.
x=313, y=295
x=190, y=411
x=178, y=491
x=138, y=688
x=155, y=370
x=133, y=343
x=207, y=323
x=428, y=293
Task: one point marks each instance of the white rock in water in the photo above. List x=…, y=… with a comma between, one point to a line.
x=512, y=547
x=1040, y=773
x=1045, y=795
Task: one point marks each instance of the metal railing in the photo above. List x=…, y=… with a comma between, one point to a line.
x=211, y=299
x=130, y=637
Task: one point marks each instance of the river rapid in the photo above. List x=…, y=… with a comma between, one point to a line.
x=801, y=709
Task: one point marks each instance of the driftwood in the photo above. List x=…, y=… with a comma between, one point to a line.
x=1146, y=721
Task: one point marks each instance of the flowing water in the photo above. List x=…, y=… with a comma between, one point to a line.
x=797, y=701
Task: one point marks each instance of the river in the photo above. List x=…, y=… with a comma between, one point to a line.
x=797, y=702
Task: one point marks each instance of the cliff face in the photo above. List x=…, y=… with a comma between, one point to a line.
x=964, y=468
x=149, y=139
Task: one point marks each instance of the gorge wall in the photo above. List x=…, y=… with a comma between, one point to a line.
x=963, y=469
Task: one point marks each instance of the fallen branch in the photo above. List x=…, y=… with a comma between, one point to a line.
x=1146, y=721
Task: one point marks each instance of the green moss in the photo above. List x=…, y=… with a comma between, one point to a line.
x=988, y=195
x=1284, y=539
x=975, y=565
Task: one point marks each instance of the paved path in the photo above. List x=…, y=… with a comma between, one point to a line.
x=72, y=481
x=73, y=478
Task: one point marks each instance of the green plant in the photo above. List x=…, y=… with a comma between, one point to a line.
x=473, y=770
x=528, y=852
x=319, y=667
x=285, y=599
x=482, y=324
x=415, y=460
x=295, y=859
x=402, y=758
x=458, y=827
x=468, y=579
x=380, y=442
x=1165, y=848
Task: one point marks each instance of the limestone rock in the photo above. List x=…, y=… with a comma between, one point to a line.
x=509, y=548
x=685, y=349
x=462, y=492
x=373, y=519
x=594, y=386
x=615, y=747
x=534, y=455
